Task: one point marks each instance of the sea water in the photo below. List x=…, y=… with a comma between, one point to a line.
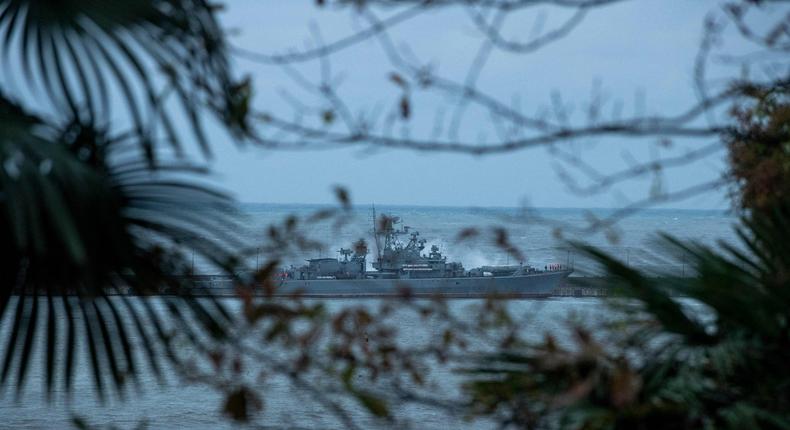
x=183, y=405
x=542, y=237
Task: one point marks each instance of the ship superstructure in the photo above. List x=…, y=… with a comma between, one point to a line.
x=406, y=264
x=398, y=260
x=400, y=269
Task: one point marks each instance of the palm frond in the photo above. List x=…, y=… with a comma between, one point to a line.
x=77, y=53
x=83, y=218
x=706, y=351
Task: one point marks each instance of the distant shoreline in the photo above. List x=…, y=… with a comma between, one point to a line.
x=385, y=206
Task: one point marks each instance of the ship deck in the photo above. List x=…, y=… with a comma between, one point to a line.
x=532, y=285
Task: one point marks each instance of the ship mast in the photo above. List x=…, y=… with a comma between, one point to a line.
x=376, y=234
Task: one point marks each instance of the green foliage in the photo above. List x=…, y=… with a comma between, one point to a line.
x=374, y=404
x=241, y=404
x=80, y=55
x=709, y=351
x=371, y=402
x=760, y=147
x=91, y=202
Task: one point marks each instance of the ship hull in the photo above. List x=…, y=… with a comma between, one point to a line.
x=533, y=285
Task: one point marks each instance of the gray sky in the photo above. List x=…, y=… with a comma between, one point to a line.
x=640, y=53
x=639, y=47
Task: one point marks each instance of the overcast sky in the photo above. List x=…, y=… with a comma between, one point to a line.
x=640, y=53
x=638, y=47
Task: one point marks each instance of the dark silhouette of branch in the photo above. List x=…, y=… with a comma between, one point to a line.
x=492, y=32
x=601, y=182
x=336, y=127
x=335, y=46
x=596, y=224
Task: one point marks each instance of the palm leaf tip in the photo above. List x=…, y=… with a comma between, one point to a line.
x=77, y=231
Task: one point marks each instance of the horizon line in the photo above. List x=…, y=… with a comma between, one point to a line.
x=362, y=205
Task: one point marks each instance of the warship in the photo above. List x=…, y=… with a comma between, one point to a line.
x=404, y=269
